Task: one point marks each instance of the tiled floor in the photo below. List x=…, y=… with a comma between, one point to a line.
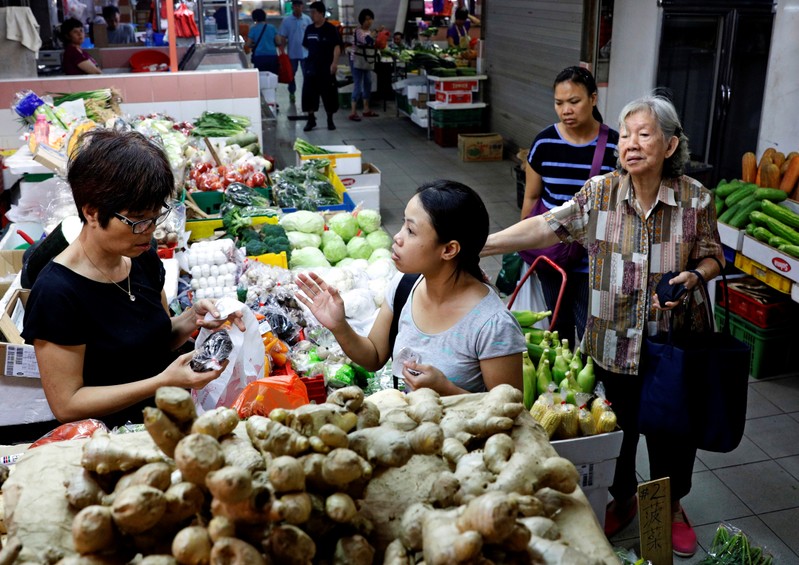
x=756, y=487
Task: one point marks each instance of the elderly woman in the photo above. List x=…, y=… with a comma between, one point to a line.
x=636, y=224
x=97, y=314
x=76, y=61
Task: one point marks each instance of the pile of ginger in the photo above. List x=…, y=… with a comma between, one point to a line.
x=311, y=485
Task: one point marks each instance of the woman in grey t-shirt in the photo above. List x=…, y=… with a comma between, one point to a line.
x=466, y=338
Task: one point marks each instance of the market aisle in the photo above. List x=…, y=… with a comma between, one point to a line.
x=756, y=487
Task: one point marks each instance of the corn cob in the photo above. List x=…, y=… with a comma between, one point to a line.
x=538, y=409
x=568, y=421
x=598, y=406
x=550, y=420
x=606, y=422
x=586, y=422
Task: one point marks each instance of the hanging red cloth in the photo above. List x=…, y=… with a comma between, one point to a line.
x=185, y=26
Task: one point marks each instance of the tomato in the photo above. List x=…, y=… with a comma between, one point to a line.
x=222, y=170
x=203, y=167
x=233, y=176
x=257, y=179
x=245, y=168
x=217, y=186
x=208, y=181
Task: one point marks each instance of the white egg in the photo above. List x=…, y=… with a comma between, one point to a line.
x=228, y=279
x=195, y=284
x=206, y=269
x=199, y=294
x=219, y=257
x=212, y=282
x=196, y=272
x=215, y=270
x=217, y=291
x=191, y=260
x=203, y=282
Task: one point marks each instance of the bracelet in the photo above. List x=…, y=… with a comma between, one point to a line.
x=698, y=275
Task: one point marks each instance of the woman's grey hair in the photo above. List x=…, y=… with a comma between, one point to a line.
x=669, y=122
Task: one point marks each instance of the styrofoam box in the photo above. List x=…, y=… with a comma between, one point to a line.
x=12, y=240
x=346, y=159
x=369, y=196
x=730, y=236
x=774, y=259
x=369, y=177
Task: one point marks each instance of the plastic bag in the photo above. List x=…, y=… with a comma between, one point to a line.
x=279, y=391
x=246, y=359
x=531, y=297
x=509, y=273
x=214, y=351
x=71, y=430
x=732, y=545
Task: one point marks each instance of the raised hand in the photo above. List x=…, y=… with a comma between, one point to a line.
x=323, y=301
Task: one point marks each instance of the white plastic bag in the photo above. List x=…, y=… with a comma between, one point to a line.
x=531, y=297
x=246, y=359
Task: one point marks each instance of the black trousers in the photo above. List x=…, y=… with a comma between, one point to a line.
x=573, y=311
x=669, y=456
x=315, y=86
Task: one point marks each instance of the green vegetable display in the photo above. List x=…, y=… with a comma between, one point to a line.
x=378, y=254
x=308, y=258
x=334, y=249
x=298, y=240
x=304, y=221
x=369, y=220
x=380, y=240
x=219, y=124
x=344, y=224
x=305, y=148
x=359, y=248
x=731, y=546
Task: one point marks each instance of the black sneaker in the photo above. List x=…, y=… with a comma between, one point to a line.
x=310, y=125
x=330, y=125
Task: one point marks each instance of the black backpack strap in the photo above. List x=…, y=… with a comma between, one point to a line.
x=400, y=298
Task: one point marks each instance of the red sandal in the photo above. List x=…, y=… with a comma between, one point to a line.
x=616, y=520
x=683, y=537
x=354, y=117
x=370, y=114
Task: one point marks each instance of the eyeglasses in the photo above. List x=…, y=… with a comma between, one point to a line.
x=143, y=225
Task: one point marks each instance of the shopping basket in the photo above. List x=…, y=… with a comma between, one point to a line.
x=526, y=276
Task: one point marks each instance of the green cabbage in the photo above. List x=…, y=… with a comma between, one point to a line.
x=380, y=239
x=344, y=224
x=344, y=262
x=329, y=235
x=308, y=258
x=369, y=220
x=298, y=240
x=304, y=221
x=335, y=250
x=359, y=248
x=379, y=254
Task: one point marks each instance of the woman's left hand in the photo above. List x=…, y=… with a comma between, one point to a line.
x=688, y=279
x=205, y=306
x=419, y=375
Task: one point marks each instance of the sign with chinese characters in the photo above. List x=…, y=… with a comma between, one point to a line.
x=654, y=521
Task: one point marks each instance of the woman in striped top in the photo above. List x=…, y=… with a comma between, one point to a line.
x=560, y=163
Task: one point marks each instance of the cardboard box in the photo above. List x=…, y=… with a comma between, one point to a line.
x=22, y=399
x=480, y=147
x=11, y=318
x=771, y=258
x=470, y=84
x=346, y=159
x=368, y=178
x=454, y=97
x=369, y=196
x=10, y=265
x=730, y=236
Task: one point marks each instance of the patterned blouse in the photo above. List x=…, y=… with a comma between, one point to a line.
x=628, y=252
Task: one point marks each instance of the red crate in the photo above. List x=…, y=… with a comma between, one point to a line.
x=454, y=97
x=316, y=388
x=776, y=310
x=470, y=84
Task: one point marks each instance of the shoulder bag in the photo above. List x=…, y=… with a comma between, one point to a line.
x=258, y=61
x=567, y=255
x=400, y=298
x=695, y=385
x=285, y=72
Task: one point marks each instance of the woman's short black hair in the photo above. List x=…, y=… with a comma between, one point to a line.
x=461, y=14
x=579, y=75
x=365, y=13
x=258, y=15
x=457, y=213
x=113, y=171
x=67, y=27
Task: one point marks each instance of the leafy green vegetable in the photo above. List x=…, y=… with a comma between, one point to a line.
x=256, y=247
x=234, y=222
x=304, y=221
x=242, y=195
x=344, y=224
x=380, y=240
x=359, y=248
x=369, y=220
x=298, y=240
x=219, y=124
x=304, y=148
x=378, y=254
x=308, y=257
x=335, y=249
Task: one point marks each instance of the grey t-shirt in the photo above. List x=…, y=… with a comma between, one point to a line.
x=488, y=331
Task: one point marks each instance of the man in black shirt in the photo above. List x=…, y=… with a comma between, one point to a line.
x=323, y=43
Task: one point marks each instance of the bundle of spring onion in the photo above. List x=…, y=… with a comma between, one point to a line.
x=304, y=148
x=219, y=124
x=731, y=546
x=101, y=105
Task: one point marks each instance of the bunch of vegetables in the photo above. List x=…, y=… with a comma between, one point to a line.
x=243, y=168
x=163, y=130
x=101, y=105
x=305, y=148
x=777, y=226
x=305, y=187
x=313, y=484
x=774, y=170
x=219, y=124
x=248, y=200
x=730, y=545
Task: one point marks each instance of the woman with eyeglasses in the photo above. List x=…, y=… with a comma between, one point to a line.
x=97, y=314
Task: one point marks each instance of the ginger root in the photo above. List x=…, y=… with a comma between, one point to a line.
x=229, y=484
x=349, y=397
x=343, y=466
x=396, y=554
x=93, y=530
x=183, y=500
x=165, y=433
x=353, y=550
x=286, y=474
x=269, y=436
x=239, y=452
x=290, y=545
x=216, y=422
x=308, y=419
x=294, y=508
x=492, y=515
x=192, y=546
x=10, y=551
x=176, y=403
x=102, y=455
x=138, y=508
x=233, y=551
x=83, y=490
x=497, y=452
x=196, y=455
x=368, y=416
x=340, y=508
x=221, y=527
x=444, y=543
x=558, y=473
x=157, y=475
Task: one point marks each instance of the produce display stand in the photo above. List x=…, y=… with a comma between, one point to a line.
x=433, y=82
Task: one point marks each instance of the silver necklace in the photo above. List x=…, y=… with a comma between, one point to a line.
x=128, y=292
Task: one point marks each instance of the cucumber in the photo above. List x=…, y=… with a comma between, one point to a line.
x=775, y=226
x=792, y=250
x=739, y=194
x=720, y=205
x=750, y=228
x=770, y=194
x=777, y=241
x=781, y=213
x=763, y=234
x=725, y=190
x=242, y=139
x=728, y=214
x=253, y=148
x=746, y=207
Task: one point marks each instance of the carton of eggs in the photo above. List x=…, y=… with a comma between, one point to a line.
x=213, y=272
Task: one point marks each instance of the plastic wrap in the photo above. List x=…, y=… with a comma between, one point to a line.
x=262, y=396
x=212, y=353
x=71, y=430
x=731, y=545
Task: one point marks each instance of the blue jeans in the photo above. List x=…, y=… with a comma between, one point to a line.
x=296, y=64
x=362, y=85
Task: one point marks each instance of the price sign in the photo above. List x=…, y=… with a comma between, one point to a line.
x=654, y=521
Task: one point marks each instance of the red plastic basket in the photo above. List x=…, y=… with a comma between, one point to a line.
x=316, y=388
x=149, y=60
x=776, y=311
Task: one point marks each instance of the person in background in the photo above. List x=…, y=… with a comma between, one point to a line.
x=398, y=42
x=262, y=40
x=362, y=77
x=117, y=32
x=458, y=32
x=323, y=43
x=292, y=34
x=75, y=60
x=559, y=164
x=97, y=315
x=637, y=223
x=465, y=337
